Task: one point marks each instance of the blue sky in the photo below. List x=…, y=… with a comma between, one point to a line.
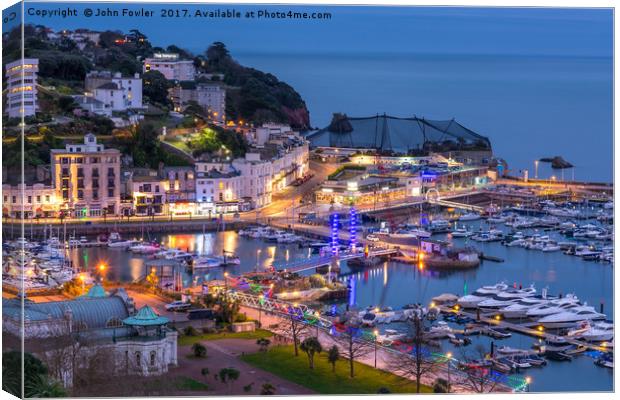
x=531, y=31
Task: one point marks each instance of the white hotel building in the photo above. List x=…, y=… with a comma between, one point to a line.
x=170, y=66
x=21, y=76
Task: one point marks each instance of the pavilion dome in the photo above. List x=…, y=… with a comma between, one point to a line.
x=96, y=291
x=146, y=317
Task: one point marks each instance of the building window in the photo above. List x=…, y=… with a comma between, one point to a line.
x=47, y=198
x=138, y=360
x=29, y=199
x=153, y=356
x=80, y=195
x=114, y=322
x=110, y=192
x=38, y=199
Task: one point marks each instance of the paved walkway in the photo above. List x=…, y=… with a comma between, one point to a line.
x=225, y=353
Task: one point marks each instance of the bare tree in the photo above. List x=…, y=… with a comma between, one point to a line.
x=478, y=377
x=292, y=326
x=352, y=346
x=419, y=362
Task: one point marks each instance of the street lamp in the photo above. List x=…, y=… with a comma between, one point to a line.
x=376, y=333
x=528, y=380
x=226, y=281
x=317, y=315
x=449, y=357
x=260, y=308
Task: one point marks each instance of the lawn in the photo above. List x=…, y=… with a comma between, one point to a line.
x=179, y=144
x=189, y=340
x=281, y=361
x=185, y=383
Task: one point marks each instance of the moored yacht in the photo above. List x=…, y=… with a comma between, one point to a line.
x=571, y=317
x=483, y=293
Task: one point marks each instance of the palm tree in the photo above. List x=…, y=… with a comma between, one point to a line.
x=332, y=356
x=228, y=375
x=311, y=346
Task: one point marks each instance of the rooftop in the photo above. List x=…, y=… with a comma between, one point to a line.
x=400, y=135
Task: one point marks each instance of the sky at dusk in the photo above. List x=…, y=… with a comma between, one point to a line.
x=531, y=31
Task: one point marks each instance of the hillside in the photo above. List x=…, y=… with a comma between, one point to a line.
x=252, y=95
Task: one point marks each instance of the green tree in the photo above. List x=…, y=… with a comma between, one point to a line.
x=155, y=87
x=311, y=346
x=228, y=376
x=199, y=350
x=205, y=372
x=263, y=344
x=332, y=356
x=36, y=381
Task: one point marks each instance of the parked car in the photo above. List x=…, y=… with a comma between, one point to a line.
x=177, y=306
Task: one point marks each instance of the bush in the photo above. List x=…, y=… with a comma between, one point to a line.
x=383, y=390
x=207, y=330
x=441, y=386
x=241, y=318
x=190, y=331
x=199, y=350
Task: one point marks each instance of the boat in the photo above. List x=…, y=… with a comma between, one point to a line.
x=470, y=217
x=606, y=360
x=115, y=241
x=440, y=330
x=553, y=307
x=511, y=350
x=461, y=233
x=439, y=226
x=576, y=350
x=483, y=293
x=497, y=333
x=520, y=308
x=571, y=317
x=534, y=359
x=599, y=332
x=557, y=356
x=507, y=297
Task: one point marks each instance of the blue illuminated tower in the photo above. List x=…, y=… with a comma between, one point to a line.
x=352, y=229
x=334, y=224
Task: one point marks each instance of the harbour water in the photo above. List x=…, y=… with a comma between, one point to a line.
x=396, y=284
x=530, y=106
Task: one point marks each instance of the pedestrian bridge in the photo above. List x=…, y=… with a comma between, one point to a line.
x=319, y=261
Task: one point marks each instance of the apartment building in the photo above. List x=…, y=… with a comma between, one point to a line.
x=210, y=96
x=21, y=86
x=115, y=92
x=86, y=178
x=170, y=66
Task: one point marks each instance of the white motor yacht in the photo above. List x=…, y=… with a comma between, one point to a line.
x=469, y=217
x=483, y=293
x=553, y=307
x=507, y=297
x=599, y=332
x=520, y=308
x=571, y=317
x=461, y=232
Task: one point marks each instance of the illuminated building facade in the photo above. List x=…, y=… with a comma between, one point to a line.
x=21, y=97
x=170, y=66
x=39, y=200
x=86, y=178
